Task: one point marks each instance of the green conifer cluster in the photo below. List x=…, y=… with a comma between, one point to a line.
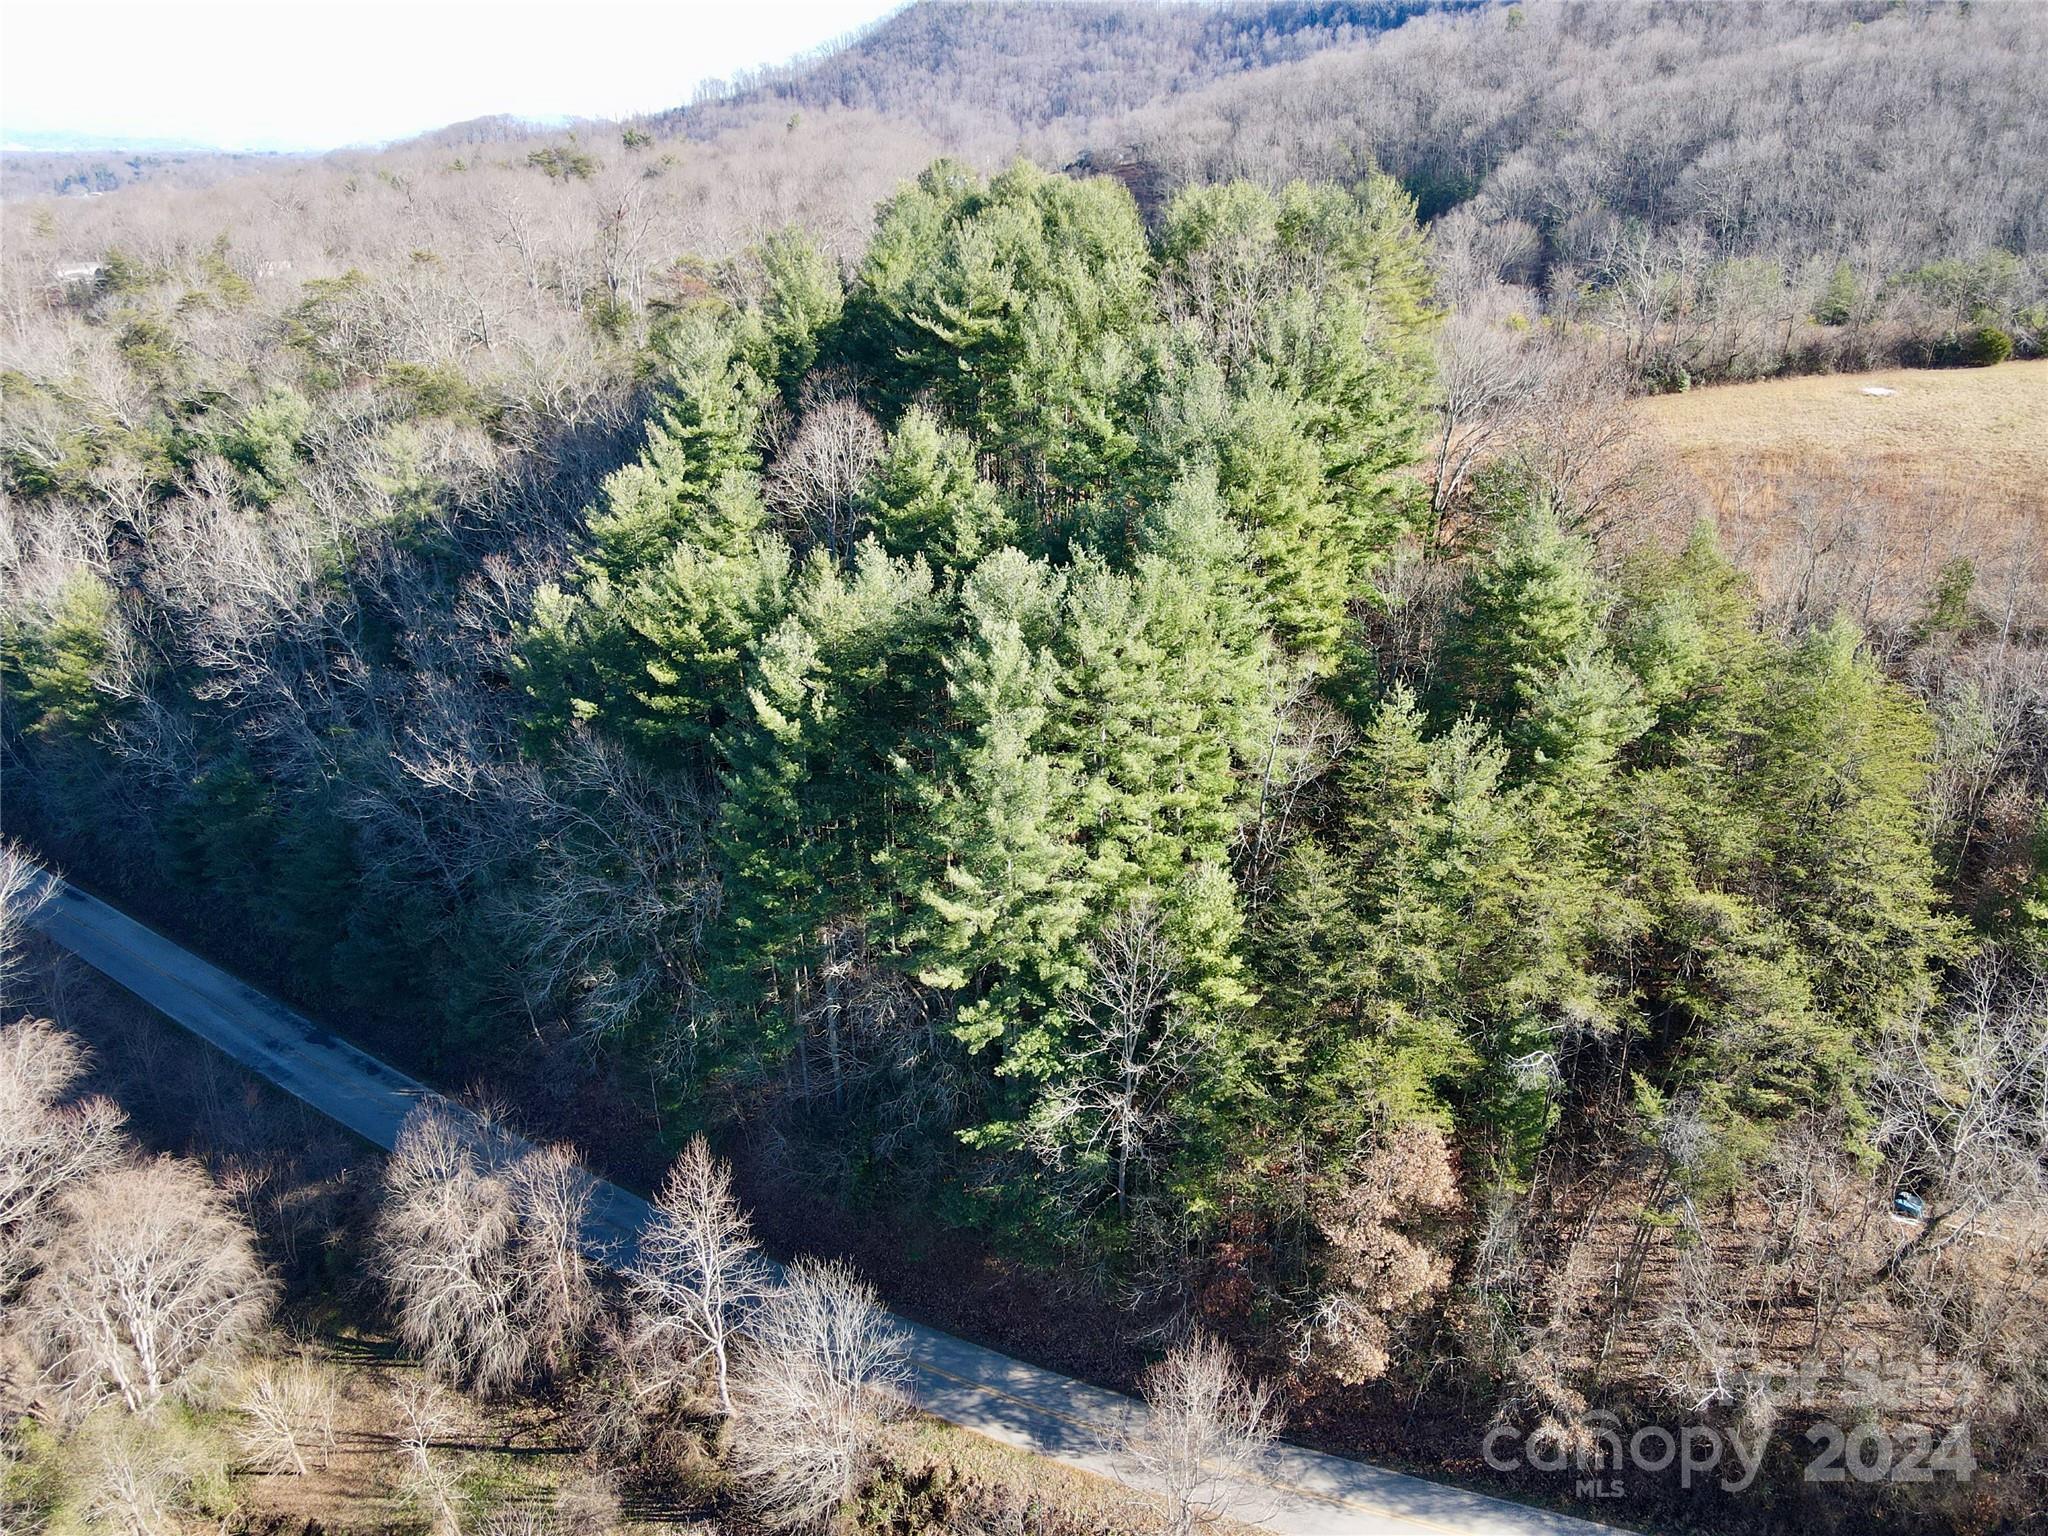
x=995, y=827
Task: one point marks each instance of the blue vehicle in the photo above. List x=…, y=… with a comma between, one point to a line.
x=1909, y=1205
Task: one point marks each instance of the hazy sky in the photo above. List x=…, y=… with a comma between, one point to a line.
x=314, y=74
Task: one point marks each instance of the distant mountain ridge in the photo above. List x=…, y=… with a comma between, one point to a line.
x=1559, y=124
x=983, y=77
x=64, y=141
x=964, y=69
x=1550, y=129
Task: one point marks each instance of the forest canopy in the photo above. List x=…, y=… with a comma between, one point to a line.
x=1172, y=724
x=999, y=622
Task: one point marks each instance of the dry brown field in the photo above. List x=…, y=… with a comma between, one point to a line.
x=1954, y=420
x=1833, y=496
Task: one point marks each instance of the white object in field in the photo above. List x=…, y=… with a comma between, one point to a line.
x=1878, y=389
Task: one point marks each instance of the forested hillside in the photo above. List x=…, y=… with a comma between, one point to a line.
x=35, y=173
x=1195, y=748
x=1891, y=132
x=1708, y=180
x=1732, y=190
x=980, y=73
x=1722, y=191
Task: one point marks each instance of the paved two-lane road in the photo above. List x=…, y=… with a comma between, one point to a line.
x=1304, y=1493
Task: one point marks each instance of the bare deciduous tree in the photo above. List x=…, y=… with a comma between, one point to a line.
x=551, y=1271
x=151, y=1285
x=45, y=1144
x=22, y=892
x=138, y=1474
x=1202, y=1432
x=430, y=1477
x=1308, y=739
x=442, y=1235
x=1965, y=1093
x=823, y=1372
x=697, y=1272
x=1130, y=1051
x=287, y=1416
x=479, y=1242
x=818, y=477
x=1488, y=378
x=1964, y=1099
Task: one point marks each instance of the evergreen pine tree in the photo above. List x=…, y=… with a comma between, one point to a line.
x=1528, y=603
x=54, y=668
x=803, y=302
x=1843, y=760
x=925, y=497
x=702, y=433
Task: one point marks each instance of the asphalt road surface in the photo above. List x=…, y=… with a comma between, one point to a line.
x=1304, y=1493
